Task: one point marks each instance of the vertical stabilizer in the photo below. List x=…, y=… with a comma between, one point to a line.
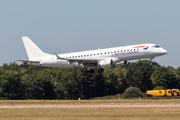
x=32, y=50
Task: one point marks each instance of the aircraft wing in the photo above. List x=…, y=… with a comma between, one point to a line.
x=79, y=60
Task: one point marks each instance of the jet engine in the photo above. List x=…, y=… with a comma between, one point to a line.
x=106, y=63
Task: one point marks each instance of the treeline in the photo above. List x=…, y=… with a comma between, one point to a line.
x=32, y=82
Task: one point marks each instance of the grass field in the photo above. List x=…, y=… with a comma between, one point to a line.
x=158, y=113
x=90, y=102
x=91, y=114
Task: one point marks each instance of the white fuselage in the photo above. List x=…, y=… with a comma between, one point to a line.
x=94, y=57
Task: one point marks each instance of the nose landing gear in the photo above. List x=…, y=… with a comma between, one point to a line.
x=151, y=60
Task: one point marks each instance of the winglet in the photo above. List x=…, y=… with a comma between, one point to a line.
x=59, y=57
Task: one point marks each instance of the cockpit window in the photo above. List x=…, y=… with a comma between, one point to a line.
x=156, y=46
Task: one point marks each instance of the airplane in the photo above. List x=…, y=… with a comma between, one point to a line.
x=116, y=56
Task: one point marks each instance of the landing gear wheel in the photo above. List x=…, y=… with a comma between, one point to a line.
x=100, y=70
x=91, y=71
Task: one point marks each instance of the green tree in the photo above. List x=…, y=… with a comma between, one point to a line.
x=139, y=74
x=11, y=84
x=132, y=92
x=111, y=81
x=45, y=85
x=165, y=77
x=26, y=87
x=177, y=72
x=121, y=73
x=1, y=75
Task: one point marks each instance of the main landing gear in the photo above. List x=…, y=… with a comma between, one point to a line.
x=91, y=71
x=100, y=70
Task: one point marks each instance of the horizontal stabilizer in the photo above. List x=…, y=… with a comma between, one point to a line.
x=27, y=61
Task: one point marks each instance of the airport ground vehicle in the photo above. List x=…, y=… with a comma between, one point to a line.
x=162, y=93
x=151, y=93
x=176, y=92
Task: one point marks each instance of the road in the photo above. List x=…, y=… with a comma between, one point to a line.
x=86, y=106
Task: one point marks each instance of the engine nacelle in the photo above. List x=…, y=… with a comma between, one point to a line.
x=106, y=63
x=122, y=63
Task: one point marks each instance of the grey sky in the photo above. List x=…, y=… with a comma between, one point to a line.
x=63, y=26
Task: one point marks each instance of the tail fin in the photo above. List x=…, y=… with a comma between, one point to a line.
x=32, y=50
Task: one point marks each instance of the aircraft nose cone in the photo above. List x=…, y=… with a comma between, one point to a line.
x=164, y=51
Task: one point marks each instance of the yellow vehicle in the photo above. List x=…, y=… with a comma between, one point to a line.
x=159, y=93
x=176, y=92
x=156, y=92
x=169, y=92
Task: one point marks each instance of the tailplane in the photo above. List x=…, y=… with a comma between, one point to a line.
x=32, y=49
